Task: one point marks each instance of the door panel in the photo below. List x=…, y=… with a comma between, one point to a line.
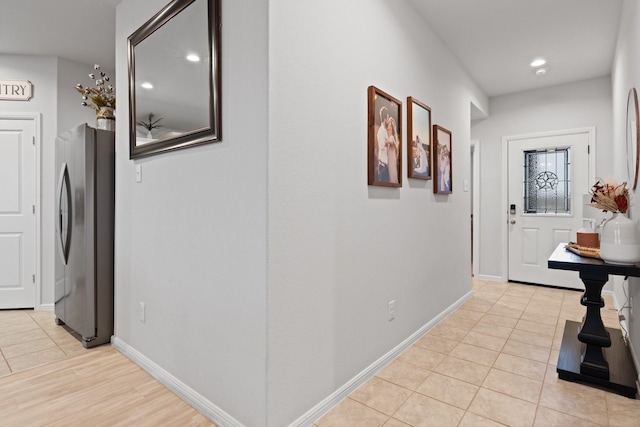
x=17, y=213
x=547, y=176
x=10, y=162
x=10, y=249
x=530, y=246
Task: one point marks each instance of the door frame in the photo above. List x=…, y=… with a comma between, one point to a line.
x=36, y=118
x=590, y=131
x=475, y=185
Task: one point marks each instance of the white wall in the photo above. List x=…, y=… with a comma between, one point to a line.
x=71, y=113
x=340, y=250
x=625, y=75
x=576, y=105
x=191, y=237
x=57, y=103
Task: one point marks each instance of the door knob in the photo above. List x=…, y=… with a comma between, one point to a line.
x=512, y=221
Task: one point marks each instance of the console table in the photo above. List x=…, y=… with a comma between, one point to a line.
x=590, y=352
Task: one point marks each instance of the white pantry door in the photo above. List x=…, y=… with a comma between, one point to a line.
x=18, y=220
x=548, y=174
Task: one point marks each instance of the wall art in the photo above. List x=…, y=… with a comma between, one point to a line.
x=385, y=139
x=418, y=139
x=443, y=175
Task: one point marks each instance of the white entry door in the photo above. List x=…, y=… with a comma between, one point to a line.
x=18, y=219
x=548, y=175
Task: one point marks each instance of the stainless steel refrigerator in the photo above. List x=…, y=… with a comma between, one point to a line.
x=85, y=197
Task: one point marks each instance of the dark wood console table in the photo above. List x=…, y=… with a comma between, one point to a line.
x=590, y=352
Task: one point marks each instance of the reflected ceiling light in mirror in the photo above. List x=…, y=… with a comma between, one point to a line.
x=541, y=71
x=193, y=57
x=538, y=62
x=146, y=85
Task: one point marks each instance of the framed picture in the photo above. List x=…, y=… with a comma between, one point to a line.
x=418, y=139
x=385, y=139
x=443, y=175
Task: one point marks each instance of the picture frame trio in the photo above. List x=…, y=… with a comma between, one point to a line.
x=385, y=143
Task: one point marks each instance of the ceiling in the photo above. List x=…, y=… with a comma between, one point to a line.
x=79, y=30
x=494, y=39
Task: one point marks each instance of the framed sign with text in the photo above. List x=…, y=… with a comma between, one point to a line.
x=16, y=90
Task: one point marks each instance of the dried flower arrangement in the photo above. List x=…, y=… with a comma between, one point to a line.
x=609, y=196
x=100, y=96
x=151, y=124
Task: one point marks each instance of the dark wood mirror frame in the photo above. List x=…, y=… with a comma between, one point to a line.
x=202, y=135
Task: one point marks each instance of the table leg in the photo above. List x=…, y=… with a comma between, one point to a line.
x=592, y=330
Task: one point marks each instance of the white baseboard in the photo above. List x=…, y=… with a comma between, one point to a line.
x=490, y=278
x=46, y=307
x=340, y=394
x=186, y=393
x=220, y=417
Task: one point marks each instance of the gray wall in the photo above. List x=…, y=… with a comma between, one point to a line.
x=191, y=237
x=340, y=250
x=267, y=328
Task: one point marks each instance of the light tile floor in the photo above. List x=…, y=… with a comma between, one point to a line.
x=31, y=338
x=491, y=362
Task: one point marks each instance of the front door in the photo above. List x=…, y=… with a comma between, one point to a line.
x=17, y=213
x=548, y=175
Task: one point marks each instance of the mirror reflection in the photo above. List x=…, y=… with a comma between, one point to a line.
x=172, y=67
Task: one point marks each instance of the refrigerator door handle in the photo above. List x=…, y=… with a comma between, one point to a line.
x=63, y=222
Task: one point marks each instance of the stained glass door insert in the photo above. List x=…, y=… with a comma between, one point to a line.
x=547, y=182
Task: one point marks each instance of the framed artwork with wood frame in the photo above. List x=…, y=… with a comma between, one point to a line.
x=418, y=139
x=385, y=139
x=443, y=175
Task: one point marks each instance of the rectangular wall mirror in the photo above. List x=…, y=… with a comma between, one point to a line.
x=174, y=79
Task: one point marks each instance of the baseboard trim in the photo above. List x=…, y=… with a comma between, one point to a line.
x=186, y=393
x=331, y=401
x=46, y=307
x=490, y=278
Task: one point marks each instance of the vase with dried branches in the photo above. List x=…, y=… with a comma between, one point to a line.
x=101, y=98
x=619, y=239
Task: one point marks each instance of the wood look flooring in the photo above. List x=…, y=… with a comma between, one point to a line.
x=86, y=387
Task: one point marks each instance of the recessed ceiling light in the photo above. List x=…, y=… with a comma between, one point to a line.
x=193, y=57
x=538, y=62
x=541, y=71
x=147, y=85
